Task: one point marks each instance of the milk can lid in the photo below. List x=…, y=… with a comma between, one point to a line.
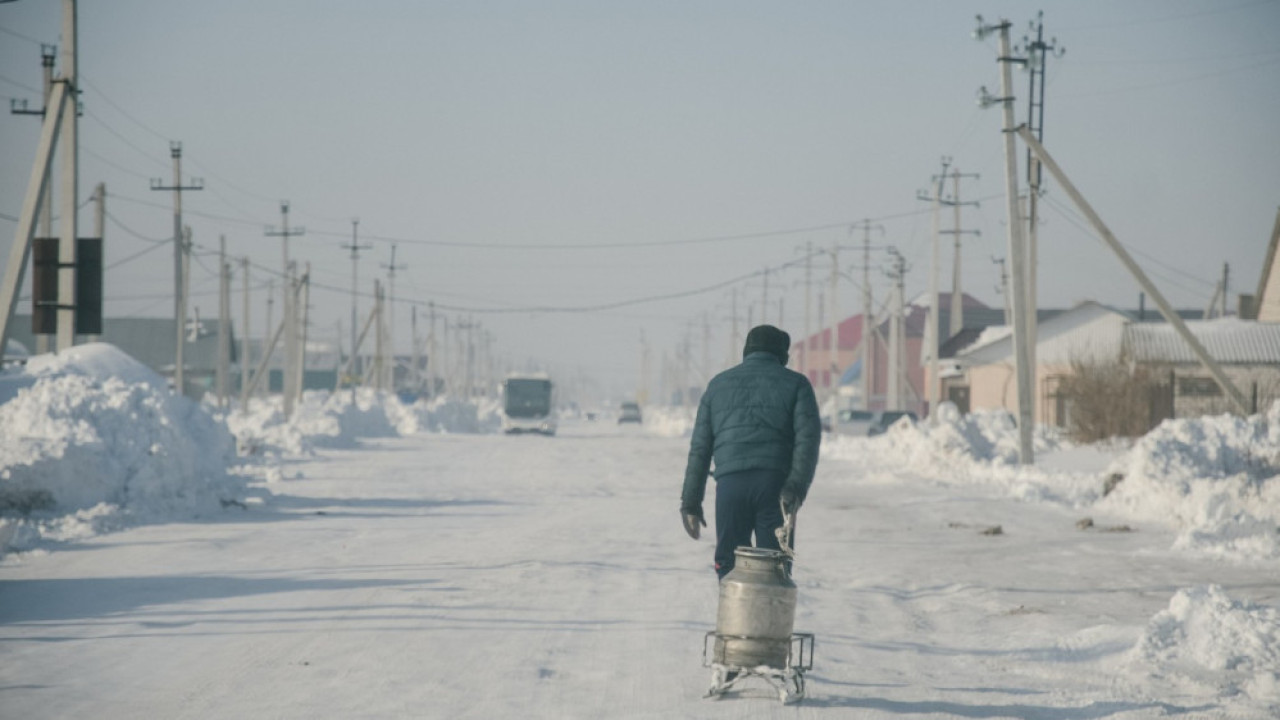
x=754, y=553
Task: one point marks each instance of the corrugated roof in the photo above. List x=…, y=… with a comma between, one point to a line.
x=1228, y=340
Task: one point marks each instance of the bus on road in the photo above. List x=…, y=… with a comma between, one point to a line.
x=528, y=404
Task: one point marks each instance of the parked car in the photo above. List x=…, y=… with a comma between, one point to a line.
x=885, y=419
x=853, y=422
x=630, y=413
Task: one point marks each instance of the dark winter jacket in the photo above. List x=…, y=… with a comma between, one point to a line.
x=756, y=415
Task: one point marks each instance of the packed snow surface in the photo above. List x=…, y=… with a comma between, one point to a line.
x=371, y=558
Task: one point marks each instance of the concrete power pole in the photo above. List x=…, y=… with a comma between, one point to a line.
x=1023, y=370
x=897, y=273
x=246, y=361
x=266, y=331
x=431, y=353
x=808, y=307
x=300, y=363
x=290, y=310
x=179, y=288
x=355, y=247
x=833, y=356
x=868, y=321
x=70, y=181
x=224, y=320
x=1037, y=56
x=389, y=368
x=957, y=294
x=47, y=55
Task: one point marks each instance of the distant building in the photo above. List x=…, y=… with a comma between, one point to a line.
x=1248, y=352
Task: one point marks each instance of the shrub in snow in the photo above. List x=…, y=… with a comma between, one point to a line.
x=1206, y=637
x=1215, y=478
x=92, y=427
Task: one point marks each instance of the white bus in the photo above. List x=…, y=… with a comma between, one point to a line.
x=528, y=404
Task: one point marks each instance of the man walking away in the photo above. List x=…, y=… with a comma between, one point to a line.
x=759, y=422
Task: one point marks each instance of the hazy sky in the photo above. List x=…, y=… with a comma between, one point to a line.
x=536, y=161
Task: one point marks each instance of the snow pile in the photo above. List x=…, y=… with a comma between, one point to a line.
x=1208, y=639
x=93, y=438
x=1215, y=478
x=325, y=419
x=981, y=447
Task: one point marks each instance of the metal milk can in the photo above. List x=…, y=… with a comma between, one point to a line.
x=757, y=610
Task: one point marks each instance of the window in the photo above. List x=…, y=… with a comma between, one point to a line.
x=1198, y=387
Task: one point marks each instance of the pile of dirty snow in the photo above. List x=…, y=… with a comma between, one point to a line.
x=93, y=438
x=1208, y=640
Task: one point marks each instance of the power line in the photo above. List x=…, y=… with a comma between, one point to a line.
x=20, y=36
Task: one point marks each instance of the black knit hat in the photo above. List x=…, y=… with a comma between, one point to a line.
x=767, y=338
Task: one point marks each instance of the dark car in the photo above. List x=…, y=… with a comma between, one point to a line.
x=630, y=413
x=885, y=419
x=853, y=422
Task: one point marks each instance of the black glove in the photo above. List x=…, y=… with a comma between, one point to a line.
x=693, y=522
x=790, y=502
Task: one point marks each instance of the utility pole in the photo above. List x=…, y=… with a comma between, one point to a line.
x=808, y=291
x=224, y=319
x=931, y=339
x=833, y=358
x=185, y=275
x=20, y=250
x=290, y=311
x=99, y=231
x=897, y=273
x=957, y=294
x=416, y=376
x=179, y=289
x=391, y=315
x=70, y=181
x=266, y=331
x=1003, y=289
x=1037, y=52
x=1022, y=356
x=45, y=210
x=431, y=353
x=300, y=365
x=868, y=322
x=355, y=247
x=246, y=361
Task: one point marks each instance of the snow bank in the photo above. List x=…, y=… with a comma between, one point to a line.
x=1205, y=638
x=1214, y=478
x=978, y=448
x=325, y=419
x=92, y=438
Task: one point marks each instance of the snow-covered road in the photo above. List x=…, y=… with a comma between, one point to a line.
x=483, y=576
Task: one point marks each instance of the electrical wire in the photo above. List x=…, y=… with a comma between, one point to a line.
x=19, y=35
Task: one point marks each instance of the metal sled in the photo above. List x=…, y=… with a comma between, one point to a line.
x=788, y=680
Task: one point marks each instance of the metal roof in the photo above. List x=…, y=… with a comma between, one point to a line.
x=1228, y=340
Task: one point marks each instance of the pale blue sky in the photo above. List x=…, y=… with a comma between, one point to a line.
x=590, y=124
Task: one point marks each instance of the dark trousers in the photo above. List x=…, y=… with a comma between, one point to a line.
x=746, y=503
